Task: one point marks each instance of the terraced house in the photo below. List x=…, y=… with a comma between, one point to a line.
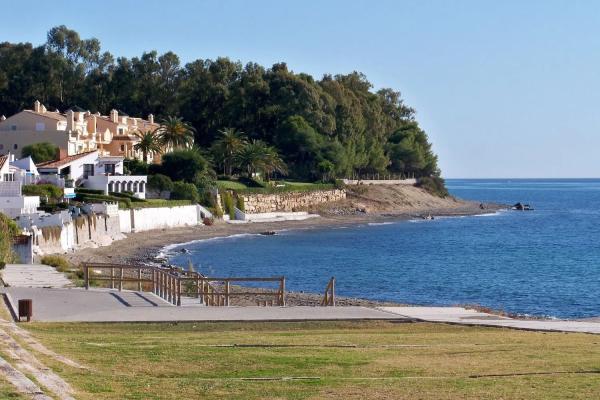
x=75, y=131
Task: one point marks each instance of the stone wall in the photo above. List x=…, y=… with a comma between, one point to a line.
x=289, y=201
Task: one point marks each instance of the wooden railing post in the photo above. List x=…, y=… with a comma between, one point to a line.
x=121, y=279
x=178, y=292
x=112, y=278
x=282, y=291
x=86, y=275
x=139, y=279
x=227, y=288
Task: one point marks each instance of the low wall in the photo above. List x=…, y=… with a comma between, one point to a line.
x=145, y=219
x=289, y=201
x=94, y=230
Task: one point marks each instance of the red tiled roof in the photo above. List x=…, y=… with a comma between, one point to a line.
x=64, y=161
x=3, y=159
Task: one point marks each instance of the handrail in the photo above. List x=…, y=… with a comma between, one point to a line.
x=329, y=297
x=167, y=283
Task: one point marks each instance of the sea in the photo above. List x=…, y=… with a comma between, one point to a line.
x=544, y=262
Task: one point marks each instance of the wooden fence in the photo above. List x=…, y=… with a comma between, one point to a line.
x=171, y=284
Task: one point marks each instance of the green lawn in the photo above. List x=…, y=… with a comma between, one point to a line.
x=321, y=360
x=232, y=185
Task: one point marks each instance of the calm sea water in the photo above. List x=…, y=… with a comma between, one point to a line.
x=545, y=262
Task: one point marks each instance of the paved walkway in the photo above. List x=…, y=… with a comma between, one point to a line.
x=98, y=305
x=34, y=275
x=459, y=315
x=104, y=305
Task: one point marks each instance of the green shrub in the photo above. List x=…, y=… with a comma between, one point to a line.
x=40, y=152
x=434, y=185
x=216, y=211
x=227, y=201
x=58, y=262
x=160, y=183
x=124, y=202
x=52, y=192
x=8, y=230
x=89, y=191
x=184, y=191
x=239, y=203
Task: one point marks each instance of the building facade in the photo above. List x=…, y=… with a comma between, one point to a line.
x=75, y=131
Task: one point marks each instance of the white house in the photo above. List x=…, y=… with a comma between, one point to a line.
x=12, y=202
x=94, y=172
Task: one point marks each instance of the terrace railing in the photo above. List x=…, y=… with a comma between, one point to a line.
x=172, y=283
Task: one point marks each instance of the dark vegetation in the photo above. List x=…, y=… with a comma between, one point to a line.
x=8, y=230
x=40, y=152
x=254, y=119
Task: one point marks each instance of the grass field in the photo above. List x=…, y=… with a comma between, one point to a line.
x=321, y=360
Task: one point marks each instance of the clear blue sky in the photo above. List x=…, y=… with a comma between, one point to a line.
x=503, y=88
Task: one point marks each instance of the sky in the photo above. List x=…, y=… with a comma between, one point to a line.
x=504, y=89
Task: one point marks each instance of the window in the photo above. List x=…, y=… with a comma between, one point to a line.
x=109, y=169
x=40, y=126
x=121, y=131
x=122, y=147
x=9, y=177
x=15, y=146
x=88, y=170
x=13, y=127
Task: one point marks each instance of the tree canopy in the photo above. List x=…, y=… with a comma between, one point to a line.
x=40, y=152
x=334, y=126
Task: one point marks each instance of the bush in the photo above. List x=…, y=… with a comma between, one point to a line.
x=160, y=183
x=52, y=192
x=239, y=203
x=185, y=191
x=184, y=165
x=58, y=262
x=8, y=230
x=135, y=167
x=217, y=211
x=434, y=185
x=40, y=152
x=227, y=201
x=251, y=182
x=89, y=191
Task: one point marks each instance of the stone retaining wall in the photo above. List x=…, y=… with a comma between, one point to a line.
x=289, y=201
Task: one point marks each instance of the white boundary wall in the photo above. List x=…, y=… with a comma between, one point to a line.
x=145, y=219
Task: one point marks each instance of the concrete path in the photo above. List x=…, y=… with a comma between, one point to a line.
x=34, y=275
x=459, y=315
x=99, y=305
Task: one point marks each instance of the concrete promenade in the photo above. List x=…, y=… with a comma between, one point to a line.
x=104, y=305
x=34, y=275
x=99, y=305
x=459, y=315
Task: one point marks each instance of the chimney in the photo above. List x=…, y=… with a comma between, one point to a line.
x=36, y=106
x=3, y=118
x=43, y=109
x=151, y=118
x=61, y=153
x=114, y=115
x=70, y=120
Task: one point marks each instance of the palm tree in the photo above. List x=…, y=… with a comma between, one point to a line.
x=272, y=162
x=174, y=132
x=227, y=146
x=149, y=143
x=257, y=156
x=250, y=158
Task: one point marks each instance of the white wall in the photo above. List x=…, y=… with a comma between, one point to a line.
x=145, y=219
